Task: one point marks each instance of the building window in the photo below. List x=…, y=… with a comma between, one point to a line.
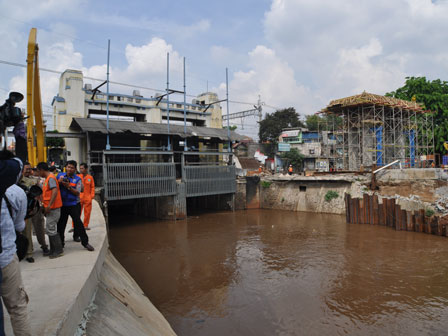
x=119, y=98
x=138, y=101
x=302, y=188
x=311, y=151
x=130, y=100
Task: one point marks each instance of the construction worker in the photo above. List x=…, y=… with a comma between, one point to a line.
x=290, y=170
x=52, y=202
x=71, y=187
x=86, y=195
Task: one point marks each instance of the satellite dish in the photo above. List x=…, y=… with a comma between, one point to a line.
x=15, y=97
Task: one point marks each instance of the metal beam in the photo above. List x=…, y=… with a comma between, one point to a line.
x=210, y=104
x=58, y=135
x=169, y=92
x=96, y=90
x=242, y=114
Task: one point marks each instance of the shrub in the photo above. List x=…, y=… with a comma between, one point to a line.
x=266, y=184
x=330, y=195
x=429, y=212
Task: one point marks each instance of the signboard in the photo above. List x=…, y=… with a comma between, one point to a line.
x=291, y=136
x=293, y=133
x=284, y=147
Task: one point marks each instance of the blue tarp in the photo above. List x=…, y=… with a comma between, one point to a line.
x=412, y=147
x=379, y=145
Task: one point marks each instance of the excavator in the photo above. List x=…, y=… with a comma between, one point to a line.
x=35, y=125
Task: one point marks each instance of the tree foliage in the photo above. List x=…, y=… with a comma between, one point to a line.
x=232, y=127
x=434, y=96
x=54, y=142
x=273, y=124
x=324, y=122
x=293, y=157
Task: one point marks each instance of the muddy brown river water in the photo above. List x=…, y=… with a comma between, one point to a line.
x=268, y=272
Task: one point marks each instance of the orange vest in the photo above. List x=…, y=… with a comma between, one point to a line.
x=290, y=169
x=89, y=188
x=46, y=193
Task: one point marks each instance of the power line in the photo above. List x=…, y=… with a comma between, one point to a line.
x=116, y=83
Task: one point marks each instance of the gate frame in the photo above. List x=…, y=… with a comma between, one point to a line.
x=136, y=152
x=184, y=175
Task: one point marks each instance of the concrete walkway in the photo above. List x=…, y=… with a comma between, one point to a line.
x=60, y=289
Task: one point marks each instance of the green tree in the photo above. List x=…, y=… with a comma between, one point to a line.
x=54, y=142
x=323, y=122
x=312, y=122
x=293, y=157
x=273, y=124
x=232, y=128
x=434, y=96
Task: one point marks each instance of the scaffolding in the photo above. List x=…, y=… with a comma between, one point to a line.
x=370, y=129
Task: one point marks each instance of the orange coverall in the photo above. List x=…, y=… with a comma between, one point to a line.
x=86, y=197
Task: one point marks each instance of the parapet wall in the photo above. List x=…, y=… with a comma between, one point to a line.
x=60, y=290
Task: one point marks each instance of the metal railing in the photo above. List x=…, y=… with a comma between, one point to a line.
x=149, y=174
x=211, y=177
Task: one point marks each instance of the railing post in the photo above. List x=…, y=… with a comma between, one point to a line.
x=182, y=168
x=105, y=186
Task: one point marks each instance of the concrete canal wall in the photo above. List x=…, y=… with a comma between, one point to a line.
x=296, y=193
x=412, y=189
x=64, y=291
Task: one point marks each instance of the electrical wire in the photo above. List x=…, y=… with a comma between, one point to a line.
x=123, y=84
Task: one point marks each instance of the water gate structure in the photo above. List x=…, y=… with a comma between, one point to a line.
x=161, y=181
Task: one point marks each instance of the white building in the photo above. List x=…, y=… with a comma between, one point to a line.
x=76, y=99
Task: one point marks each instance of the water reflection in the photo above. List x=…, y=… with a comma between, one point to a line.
x=264, y=272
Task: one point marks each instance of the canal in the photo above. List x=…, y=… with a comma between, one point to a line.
x=268, y=272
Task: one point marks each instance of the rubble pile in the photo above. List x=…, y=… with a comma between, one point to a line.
x=441, y=205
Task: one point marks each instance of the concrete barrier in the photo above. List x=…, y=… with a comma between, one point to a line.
x=61, y=289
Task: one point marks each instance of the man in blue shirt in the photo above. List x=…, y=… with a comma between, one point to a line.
x=71, y=187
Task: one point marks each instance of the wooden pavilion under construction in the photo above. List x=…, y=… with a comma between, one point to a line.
x=371, y=129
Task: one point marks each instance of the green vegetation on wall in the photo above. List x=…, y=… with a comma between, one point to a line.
x=266, y=184
x=331, y=194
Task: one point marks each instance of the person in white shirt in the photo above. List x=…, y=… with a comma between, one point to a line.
x=13, y=211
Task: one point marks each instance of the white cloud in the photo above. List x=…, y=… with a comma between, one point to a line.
x=273, y=79
x=150, y=59
x=341, y=48
x=365, y=70
x=146, y=65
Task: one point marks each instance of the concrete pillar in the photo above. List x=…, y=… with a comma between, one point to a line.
x=240, y=195
x=165, y=207
x=252, y=192
x=181, y=201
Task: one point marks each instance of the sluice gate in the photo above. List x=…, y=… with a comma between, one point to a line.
x=138, y=174
x=208, y=178
x=161, y=181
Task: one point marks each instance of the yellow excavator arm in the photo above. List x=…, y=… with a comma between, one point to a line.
x=35, y=126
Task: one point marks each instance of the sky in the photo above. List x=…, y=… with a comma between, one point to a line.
x=291, y=53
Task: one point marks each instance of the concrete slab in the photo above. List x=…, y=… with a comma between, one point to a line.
x=60, y=289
